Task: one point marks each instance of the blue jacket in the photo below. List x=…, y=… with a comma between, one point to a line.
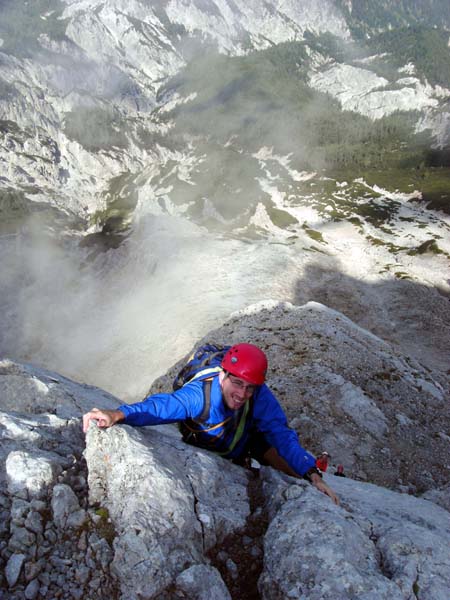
x=264, y=413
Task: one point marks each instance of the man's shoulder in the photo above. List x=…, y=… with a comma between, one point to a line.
x=265, y=392
x=266, y=404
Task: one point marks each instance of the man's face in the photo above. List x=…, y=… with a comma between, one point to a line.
x=235, y=391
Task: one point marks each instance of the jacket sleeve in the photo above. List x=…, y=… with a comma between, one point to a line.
x=185, y=403
x=271, y=421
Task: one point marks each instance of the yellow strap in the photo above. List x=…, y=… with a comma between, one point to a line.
x=207, y=371
x=239, y=430
x=209, y=428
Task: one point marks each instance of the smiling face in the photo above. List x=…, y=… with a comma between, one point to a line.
x=235, y=391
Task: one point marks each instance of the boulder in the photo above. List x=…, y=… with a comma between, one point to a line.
x=169, y=503
x=377, y=544
x=31, y=474
x=65, y=507
x=201, y=582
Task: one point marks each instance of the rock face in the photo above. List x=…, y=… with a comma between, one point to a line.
x=111, y=61
x=30, y=390
x=142, y=515
x=108, y=62
x=362, y=91
x=378, y=544
x=170, y=504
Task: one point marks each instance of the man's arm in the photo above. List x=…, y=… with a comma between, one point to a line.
x=316, y=480
x=187, y=402
x=271, y=421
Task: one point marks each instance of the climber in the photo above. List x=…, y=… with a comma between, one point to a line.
x=322, y=461
x=244, y=417
x=340, y=471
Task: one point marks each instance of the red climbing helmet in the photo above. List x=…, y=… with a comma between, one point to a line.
x=247, y=362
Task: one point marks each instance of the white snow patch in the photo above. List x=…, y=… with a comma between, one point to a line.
x=409, y=68
x=40, y=386
x=369, y=59
x=266, y=154
x=360, y=90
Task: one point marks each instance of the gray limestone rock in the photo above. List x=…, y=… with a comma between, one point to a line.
x=168, y=502
x=377, y=544
x=32, y=390
x=343, y=388
x=201, y=582
x=30, y=474
x=160, y=509
x=33, y=522
x=32, y=569
x=14, y=567
x=66, y=508
x=19, y=509
x=21, y=539
x=439, y=496
x=32, y=590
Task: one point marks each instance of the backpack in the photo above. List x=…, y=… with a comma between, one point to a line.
x=202, y=364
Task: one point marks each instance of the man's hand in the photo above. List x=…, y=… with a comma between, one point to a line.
x=104, y=418
x=320, y=484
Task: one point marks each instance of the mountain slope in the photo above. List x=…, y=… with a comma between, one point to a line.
x=263, y=142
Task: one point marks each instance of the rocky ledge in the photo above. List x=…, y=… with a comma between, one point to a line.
x=135, y=513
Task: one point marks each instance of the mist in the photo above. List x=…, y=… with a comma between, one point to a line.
x=121, y=318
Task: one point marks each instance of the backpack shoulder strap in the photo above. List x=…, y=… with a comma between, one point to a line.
x=206, y=401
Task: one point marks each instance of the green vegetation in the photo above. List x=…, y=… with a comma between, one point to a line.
x=426, y=48
x=391, y=247
x=281, y=218
x=429, y=246
x=104, y=525
x=432, y=182
x=103, y=513
x=263, y=100
x=402, y=275
x=254, y=96
x=121, y=199
x=367, y=17
x=313, y=234
x=290, y=58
